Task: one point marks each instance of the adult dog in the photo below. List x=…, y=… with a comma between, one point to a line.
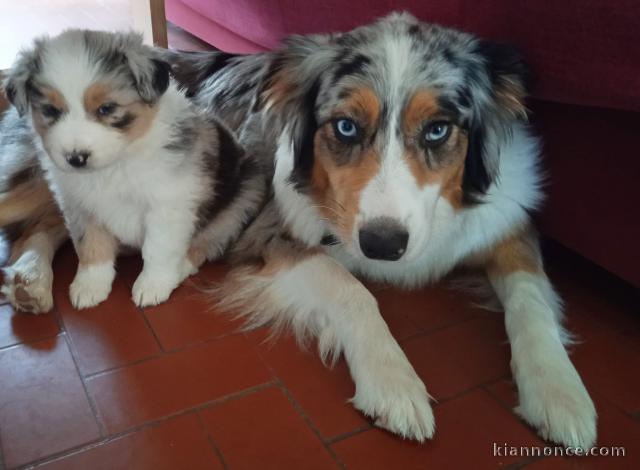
x=400, y=150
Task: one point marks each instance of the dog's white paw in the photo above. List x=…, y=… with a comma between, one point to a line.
x=151, y=290
x=91, y=285
x=559, y=407
x=28, y=287
x=393, y=394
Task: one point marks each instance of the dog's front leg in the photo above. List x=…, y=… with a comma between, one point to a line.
x=97, y=249
x=316, y=296
x=28, y=278
x=164, y=252
x=552, y=396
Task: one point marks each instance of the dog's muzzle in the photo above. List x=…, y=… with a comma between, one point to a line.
x=384, y=239
x=77, y=158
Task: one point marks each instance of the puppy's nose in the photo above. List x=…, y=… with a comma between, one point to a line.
x=383, y=238
x=77, y=158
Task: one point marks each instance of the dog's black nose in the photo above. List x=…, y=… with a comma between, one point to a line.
x=77, y=158
x=383, y=239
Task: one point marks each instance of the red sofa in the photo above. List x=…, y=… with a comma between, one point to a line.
x=585, y=55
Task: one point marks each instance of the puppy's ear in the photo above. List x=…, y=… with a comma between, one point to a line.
x=151, y=76
x=150, y=73
x=289, y=91
x=498, y=102
x=17, y=84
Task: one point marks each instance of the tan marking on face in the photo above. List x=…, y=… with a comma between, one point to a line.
x=341, y=172
x=55, y=98
x=450, y=156
x=96, y=246
x=336, y=188
x=95, y=95
x=451, y=182
x=449, y=175
x=518, y=252
x=144, y=113
x=422, y=106
x=362, y=103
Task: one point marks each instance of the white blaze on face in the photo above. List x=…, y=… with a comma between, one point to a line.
x=394, y=193
x=68, y=69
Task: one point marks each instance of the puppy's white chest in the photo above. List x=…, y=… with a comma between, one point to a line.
x=122, y=212
x=119, y=198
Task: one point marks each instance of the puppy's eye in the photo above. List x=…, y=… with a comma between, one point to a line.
x=346, y=131
x=436, y=133
x=50, y=112
x=106, y=108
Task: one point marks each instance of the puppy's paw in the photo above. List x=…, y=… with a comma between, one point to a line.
x=27, y=286
x=559, y=407
x=151, y=290
x=397, y=399
x=91, y=285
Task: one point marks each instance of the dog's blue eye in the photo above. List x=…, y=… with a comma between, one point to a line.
x=106, y=109
x=50, y=111
x=346, y=130
x=437, y=132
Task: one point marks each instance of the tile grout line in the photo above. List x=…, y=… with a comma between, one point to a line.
x=528, y=460
x=93, y=375
x=146, y=425
x=438, y=329
x=481, y=386
x=151, y=330
x=349, y=434
x=58, y=321
x=160, y=355
x=6, y=347
x=310, y=424
x=92, y=405
x=297, y=407
x=216, y=450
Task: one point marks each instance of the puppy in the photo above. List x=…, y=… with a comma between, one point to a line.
x=129, y=160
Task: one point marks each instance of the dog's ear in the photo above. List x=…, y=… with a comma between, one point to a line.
x=17, y=84
x=498, y=101
x=151, y=76
x=509, y=75
x=288, y=93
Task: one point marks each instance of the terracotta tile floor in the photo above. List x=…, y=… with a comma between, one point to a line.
x=178, y=386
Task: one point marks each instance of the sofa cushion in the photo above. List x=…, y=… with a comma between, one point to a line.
x=583, y=52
